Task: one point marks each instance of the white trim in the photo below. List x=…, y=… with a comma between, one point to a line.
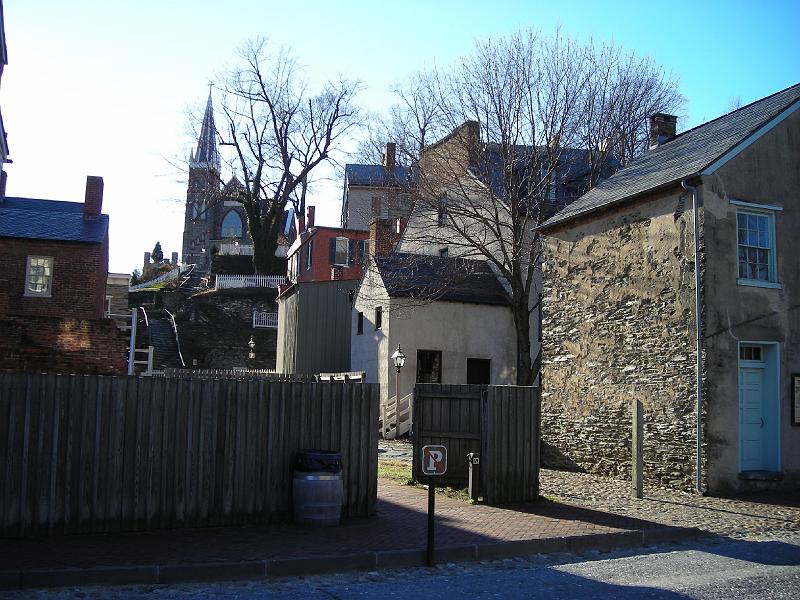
x=750, y=139
x=757, y=283
x=754, y=205
x=773, y=264
x=46, y=293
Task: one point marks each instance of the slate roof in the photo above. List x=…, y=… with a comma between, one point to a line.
x=440, y=278
x=685, y=155
x=49, y=220
x=573, y=164
x=376, y=175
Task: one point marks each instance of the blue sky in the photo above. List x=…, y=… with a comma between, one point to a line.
x=102, y=87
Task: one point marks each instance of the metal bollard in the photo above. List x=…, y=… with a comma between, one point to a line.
x=474, y=460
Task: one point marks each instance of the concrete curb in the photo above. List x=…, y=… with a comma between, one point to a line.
x=366, y=561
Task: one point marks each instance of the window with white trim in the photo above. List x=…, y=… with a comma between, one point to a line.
x=39, y=276
x=755, y=236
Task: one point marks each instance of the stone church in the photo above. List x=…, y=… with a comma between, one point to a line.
x=212, y=224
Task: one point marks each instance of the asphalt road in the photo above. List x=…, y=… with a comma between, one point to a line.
x=712, y=569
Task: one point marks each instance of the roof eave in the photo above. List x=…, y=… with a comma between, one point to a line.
x=551, y=224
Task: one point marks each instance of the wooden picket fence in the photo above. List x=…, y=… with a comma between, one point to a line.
x=89, y=454
x=499, y=422
x=263, y=374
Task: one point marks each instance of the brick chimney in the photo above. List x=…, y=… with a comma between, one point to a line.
x=662, y=128
x=384, y=235
x=389, y=156
x=93, y=202
x=310, y=217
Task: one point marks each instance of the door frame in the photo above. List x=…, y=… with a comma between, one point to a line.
x=771, y=399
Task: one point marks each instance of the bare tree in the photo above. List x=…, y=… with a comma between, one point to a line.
x=275, y=133
x=416, y=120
x=528, y=115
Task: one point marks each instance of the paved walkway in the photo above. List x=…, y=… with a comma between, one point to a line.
x=751, y=513
x=581, y=512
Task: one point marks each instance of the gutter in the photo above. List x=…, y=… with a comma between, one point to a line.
x=699, y=340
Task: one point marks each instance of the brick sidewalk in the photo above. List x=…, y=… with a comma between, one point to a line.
x=400, y=525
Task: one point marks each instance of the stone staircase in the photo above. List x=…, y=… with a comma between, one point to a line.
x=192, y=280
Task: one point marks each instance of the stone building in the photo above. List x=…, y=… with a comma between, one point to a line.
x=620, y=322
x=212, y=224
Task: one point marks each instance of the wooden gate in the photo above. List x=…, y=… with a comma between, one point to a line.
x=499, y=422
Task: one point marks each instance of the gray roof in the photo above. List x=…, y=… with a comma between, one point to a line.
x=429, y=278
x=376, y=175
x=685, y=155
x=49, y=220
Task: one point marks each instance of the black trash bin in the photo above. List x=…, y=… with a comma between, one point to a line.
x=317, y=487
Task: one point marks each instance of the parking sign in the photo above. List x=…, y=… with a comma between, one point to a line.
x=434, y=460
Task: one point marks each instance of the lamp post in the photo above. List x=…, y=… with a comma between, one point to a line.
x=252, y=354
x=399, y=359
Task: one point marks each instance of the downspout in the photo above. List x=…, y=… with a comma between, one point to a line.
x=698, y=331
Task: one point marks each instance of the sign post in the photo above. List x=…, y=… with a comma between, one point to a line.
x=434, y=464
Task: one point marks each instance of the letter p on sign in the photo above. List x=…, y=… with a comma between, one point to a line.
x=434, y=460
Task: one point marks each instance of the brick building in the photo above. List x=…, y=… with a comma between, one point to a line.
x=53, y=274
x=324, y=253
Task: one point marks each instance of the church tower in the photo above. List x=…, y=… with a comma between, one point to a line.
x=203, y=195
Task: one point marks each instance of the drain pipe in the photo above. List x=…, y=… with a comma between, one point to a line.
x=698, y=331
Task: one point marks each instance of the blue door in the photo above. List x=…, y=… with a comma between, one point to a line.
x=751, y=418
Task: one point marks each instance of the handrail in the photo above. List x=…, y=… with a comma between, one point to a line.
x=173, y=274
x=177, y=339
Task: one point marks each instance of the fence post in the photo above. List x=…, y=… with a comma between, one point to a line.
x=637, y=459
x=132, y=345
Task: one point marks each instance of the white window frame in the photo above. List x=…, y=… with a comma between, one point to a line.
x=48, y=291
x=761, y=210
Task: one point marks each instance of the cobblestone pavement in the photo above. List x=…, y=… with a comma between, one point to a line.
x=724, y=516
x=395, y=450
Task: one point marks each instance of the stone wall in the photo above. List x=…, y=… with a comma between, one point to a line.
x=215, y=327
x=618, y=325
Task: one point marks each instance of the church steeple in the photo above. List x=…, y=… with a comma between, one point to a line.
x=206, y=156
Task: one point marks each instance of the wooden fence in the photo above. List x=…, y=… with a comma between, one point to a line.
x=234, y=374
x=86, y=454
x=499, y=422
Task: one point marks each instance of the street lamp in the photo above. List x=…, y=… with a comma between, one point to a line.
x=399, y=359
x=252, y=345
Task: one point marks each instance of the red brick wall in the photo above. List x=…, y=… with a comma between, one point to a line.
x=51, y=345
x=80, y=272
x=320, y=259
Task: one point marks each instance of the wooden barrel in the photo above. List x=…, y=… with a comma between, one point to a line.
x=317, y=488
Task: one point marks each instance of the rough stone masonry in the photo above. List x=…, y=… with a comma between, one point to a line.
x=618, y=325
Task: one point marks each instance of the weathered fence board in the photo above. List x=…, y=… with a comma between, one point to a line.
x=87, y=454
x=500, y=422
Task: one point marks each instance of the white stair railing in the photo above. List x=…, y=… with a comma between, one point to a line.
x=396, y=417
x=265, y=319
